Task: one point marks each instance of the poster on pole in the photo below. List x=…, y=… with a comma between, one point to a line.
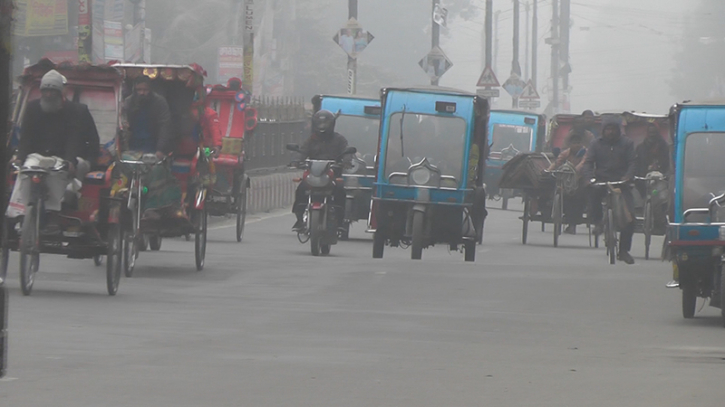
x=353, y=39
x=113, y=40
x=230, y=63
x=38, y=18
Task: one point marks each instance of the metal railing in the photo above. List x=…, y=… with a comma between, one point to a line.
x=280, y=121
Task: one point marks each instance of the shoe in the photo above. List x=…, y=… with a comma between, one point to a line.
x=673, y=284
x=626, y=257
x=570, y=230
x=299, y=226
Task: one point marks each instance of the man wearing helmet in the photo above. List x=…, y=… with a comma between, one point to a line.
x=323, y=144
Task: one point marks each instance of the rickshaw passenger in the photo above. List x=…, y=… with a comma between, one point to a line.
x=147, y=130
x=323, y=144
x=652, y=155
x=575, y=201
x=611, y=158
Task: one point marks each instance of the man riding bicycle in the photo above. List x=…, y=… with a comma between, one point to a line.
x=611, y=158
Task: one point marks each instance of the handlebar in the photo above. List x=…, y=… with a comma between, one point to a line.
x=610, y=184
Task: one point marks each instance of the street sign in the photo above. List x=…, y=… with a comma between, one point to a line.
x=488, y=79
x=530, y=92
x=529, y=104
x=488, y=93
x=436, y=63
x=353, y=39
x=440, y=16
x=514, y=86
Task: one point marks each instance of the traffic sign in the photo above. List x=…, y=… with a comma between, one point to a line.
x=530, y=92
x=529, y=104
x=436, y=63
x=514, y=86
x=488, y=93
x=353, y=39
x=488, y=79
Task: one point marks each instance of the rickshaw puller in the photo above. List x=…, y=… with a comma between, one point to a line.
x=323, y=144
x=611, y=158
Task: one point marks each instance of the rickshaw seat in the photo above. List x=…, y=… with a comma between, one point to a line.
x=96, y=178
x=228, y=160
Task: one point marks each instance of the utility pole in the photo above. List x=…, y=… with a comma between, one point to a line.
x=535, y=44
x=436, y=35
x=248, y=44
x=352, y=62
x=528, y=33
x=564, y=49
x=555, y=42
x=489, y=33
x=515, y=65
x=235, y=22
x=495, y=48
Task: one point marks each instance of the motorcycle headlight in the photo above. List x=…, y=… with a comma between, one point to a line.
x=317, y=182
x=421, y=176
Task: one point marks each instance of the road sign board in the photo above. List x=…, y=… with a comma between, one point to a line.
x=514, y=86
x=488, y=93
x=529, y=104
x=530, y=92
x=353, y=39
x=436, y=63
x=488, y=79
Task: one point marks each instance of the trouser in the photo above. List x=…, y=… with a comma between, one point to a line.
x=301, y=200
x=596, y=196
x=574, y=205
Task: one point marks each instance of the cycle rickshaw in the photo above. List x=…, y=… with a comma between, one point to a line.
x=183, y=88
x=359, y=123
x=82, y=230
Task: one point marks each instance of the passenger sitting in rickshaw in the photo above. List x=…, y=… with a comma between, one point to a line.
x=53, y=130
x=573, y=159
x=147, y=129
x=653, y=156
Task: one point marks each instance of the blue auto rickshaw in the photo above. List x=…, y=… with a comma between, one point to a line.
x=430, y=168
x=359, y=123
x=696, y=233
x=511, y=132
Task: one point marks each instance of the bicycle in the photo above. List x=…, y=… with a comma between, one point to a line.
x=565, y=182
x=648, y=218
x=610, y=231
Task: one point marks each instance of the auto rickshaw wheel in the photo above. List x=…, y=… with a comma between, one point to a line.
x=689, y=300
x=114, y=259
x=470, y=250
x=155, y=242
x=29, y=249
x=416, y=247
x=200, y=240
x=378, y=244
x=241, y=210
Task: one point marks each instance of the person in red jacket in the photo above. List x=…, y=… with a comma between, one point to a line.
x=211, y=129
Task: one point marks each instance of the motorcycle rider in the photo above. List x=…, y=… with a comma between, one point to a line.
x=323, y=144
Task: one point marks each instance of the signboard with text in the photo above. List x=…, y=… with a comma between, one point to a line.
x=230, y=63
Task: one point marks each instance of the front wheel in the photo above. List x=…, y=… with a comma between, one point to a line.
x=29, y=249
x=416, y=248
x=200, y=240
x=689, y=300
x=315, y=232
x=241, y=210
x=648, y=226
x=130, y=253
x=114, y=259
x=525, y=219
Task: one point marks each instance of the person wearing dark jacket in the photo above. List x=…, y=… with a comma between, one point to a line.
x=90, y=146
x=652, y=155
x=147, y=126
x=323, y=144
x=611, y=158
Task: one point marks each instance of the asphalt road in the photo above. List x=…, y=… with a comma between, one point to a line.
x=266, y=324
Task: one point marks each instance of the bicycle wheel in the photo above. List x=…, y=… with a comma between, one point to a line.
x=611, y=237
x=648, y=226
x=525, y=219
x=29, y=248
x=557, y=216
x=200, y=240
x=241, y=210
x=114, y=259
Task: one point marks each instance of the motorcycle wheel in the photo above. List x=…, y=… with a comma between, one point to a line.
x=325, y=249
x=29, y=249
x=722, y=290
x=416, y=248
x=525, y=220
x=611, y=238
x=114, y=259
x=5, y=251
x=315, y=232
x=345, y=232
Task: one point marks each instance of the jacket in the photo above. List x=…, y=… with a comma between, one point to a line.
x=159, y=122
x=653, y=154
x=610, y=162
x=318, y=149
x=50, y=134
x=89, y=147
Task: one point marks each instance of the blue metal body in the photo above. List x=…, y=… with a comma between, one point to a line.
x=495, y=163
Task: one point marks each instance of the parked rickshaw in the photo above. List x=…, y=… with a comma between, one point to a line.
x=88, y=229
x=237, y=119
x=359, y=123
x=430, y=169
x=510, y=132
x=696, y=233
x=183, y=88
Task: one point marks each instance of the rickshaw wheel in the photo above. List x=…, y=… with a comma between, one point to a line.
x=130, y=252
x=378, y=245
x=29, y=250
x=557, y=218
x=155, y=242
x=689, y=300
x=416, y=247
x=470, y=249
x=200, y=240
x=241, y=210
x=114, y=259
x=525, y=219
x=647, y=228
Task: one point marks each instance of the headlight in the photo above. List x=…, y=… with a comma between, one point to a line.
x=421, y=176
x=317, y=182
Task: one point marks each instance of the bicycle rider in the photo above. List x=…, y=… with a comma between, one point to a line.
x=611, y=158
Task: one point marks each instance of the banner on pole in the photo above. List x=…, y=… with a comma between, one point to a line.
x=38, y=18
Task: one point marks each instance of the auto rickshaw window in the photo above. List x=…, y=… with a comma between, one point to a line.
x=704, y=169
x=361, y=133
x=442, y=140
x=506, y=135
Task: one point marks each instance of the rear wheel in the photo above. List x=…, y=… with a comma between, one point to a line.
x=29, y=249
x=648, y=226
x=345, y=231
x=200, y=240
x=557, y=212
x=470, y=250
x=689, y=300
x=315, y=232
x=5, y=251
x=525, y=219
x=378, y=245
x=155, y=242
x=114, y=259
x=416, y=248
x=241, y=210
x=611, y=237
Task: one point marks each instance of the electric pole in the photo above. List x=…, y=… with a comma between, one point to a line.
x=248, y=44
x=564, y=49
x=436, y=34
x=535, y=43
x=515, y=65
x=489, y=32
x=555, y=42
x=526, y=52
x=352, y=62
x=495, y=48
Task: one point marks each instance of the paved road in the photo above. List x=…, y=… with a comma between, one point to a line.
x=266, y=324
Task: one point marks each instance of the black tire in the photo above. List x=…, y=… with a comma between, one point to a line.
x=130, y=253
x=525, y=219
x=648, y=226
x=98, y=260
x=200, y=240
x=114, y=259
x=29, y=249
x=378, y=245
x=241, y=210
x=155, y=242
x=470, y=250
x=611, y=238
x=557, y=212
x=315, y=232
x=143, y=243
x=5, y=251
x=689, y=300
x=416, y=247
x=722, y=292
x=325, y=249
x=345, y=231
x=504, y=203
